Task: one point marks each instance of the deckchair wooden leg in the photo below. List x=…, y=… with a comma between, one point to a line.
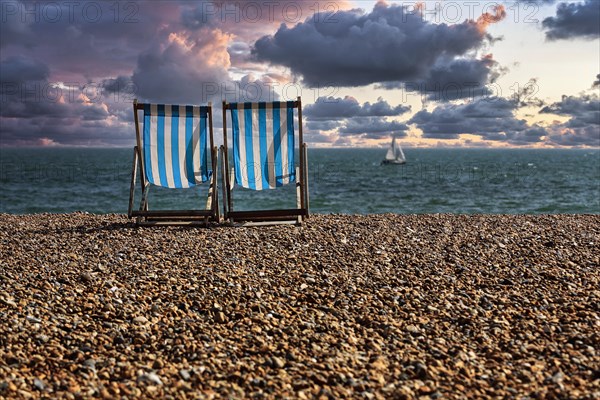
x=133, y=179
x=213, y=199
x=299, y=193
x=305, y=181
x=230, y=189
x=212, y=202
x=144, y=201
x=215, y=192
x=231, y=178
x=209, y=200
x=223, y=180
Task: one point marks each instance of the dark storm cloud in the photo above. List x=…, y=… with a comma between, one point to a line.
x=317, y=137
x=117, y=85
x=35, y=111
x=372, y=128
x=597, y=81
x=239, y=52
x=494, y=119
x=53, y=116
x=453, y=79
x=43, y=131
x=490, y=118
x=322, y=125
x=19, y=69
x=348, y=107
x=181, y=70
x=348, y=118
x=574, y=20
x=249, y=89
x=583, y=128
x=387, y=45
x=90, y=38
x=584, y=136
x=528, y=136
x=584, y=110
x=25, y=121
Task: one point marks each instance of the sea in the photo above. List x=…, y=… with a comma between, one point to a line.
x=346, y=181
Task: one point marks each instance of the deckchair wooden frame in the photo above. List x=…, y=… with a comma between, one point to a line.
x=145, y=216
x=272, y=216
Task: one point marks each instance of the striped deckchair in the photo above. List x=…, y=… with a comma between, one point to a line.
x=263, y=142
x=173, y=152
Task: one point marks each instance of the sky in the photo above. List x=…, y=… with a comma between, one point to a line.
x=444, y=73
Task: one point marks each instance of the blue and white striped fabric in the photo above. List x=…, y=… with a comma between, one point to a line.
x=174, y=141
x=263, y=144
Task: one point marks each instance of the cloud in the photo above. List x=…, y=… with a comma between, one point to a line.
x=71, y=124
x=372, y=128
x=330, y=119
x=87, y=38
x=181, y=70
x=574, y=20
x=525, y=95
x=68, y=74
x=597, y=81
x=583, y=110
x=20, y=69
x=45, y=131
x=247, y=21
x=491, y=118
x=453, y=79
x=348, y=107
x=529, y=136
x=315, y=137
x=250, y=88
x=117, y=85
x=387, y=45
x=587, y=136
x=583, y=128
x=34, y=111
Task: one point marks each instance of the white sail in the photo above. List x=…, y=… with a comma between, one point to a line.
x=394, y=155
x=398, y=153
x=390, y=155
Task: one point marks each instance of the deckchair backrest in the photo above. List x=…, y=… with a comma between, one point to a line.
x=174, y=144
x=263, y=144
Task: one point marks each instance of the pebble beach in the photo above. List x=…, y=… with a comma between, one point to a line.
x=375, y=307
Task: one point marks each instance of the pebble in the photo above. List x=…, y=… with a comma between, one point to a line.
x=558, y=377
x=150, y=377
x=220, y=317
x=86, y=277
x=278, y=362
x=379, y=306
x=39, y=384
x=140, y=320
x=185, y=374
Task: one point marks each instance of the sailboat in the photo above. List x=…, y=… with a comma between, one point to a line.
x=394, y=155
